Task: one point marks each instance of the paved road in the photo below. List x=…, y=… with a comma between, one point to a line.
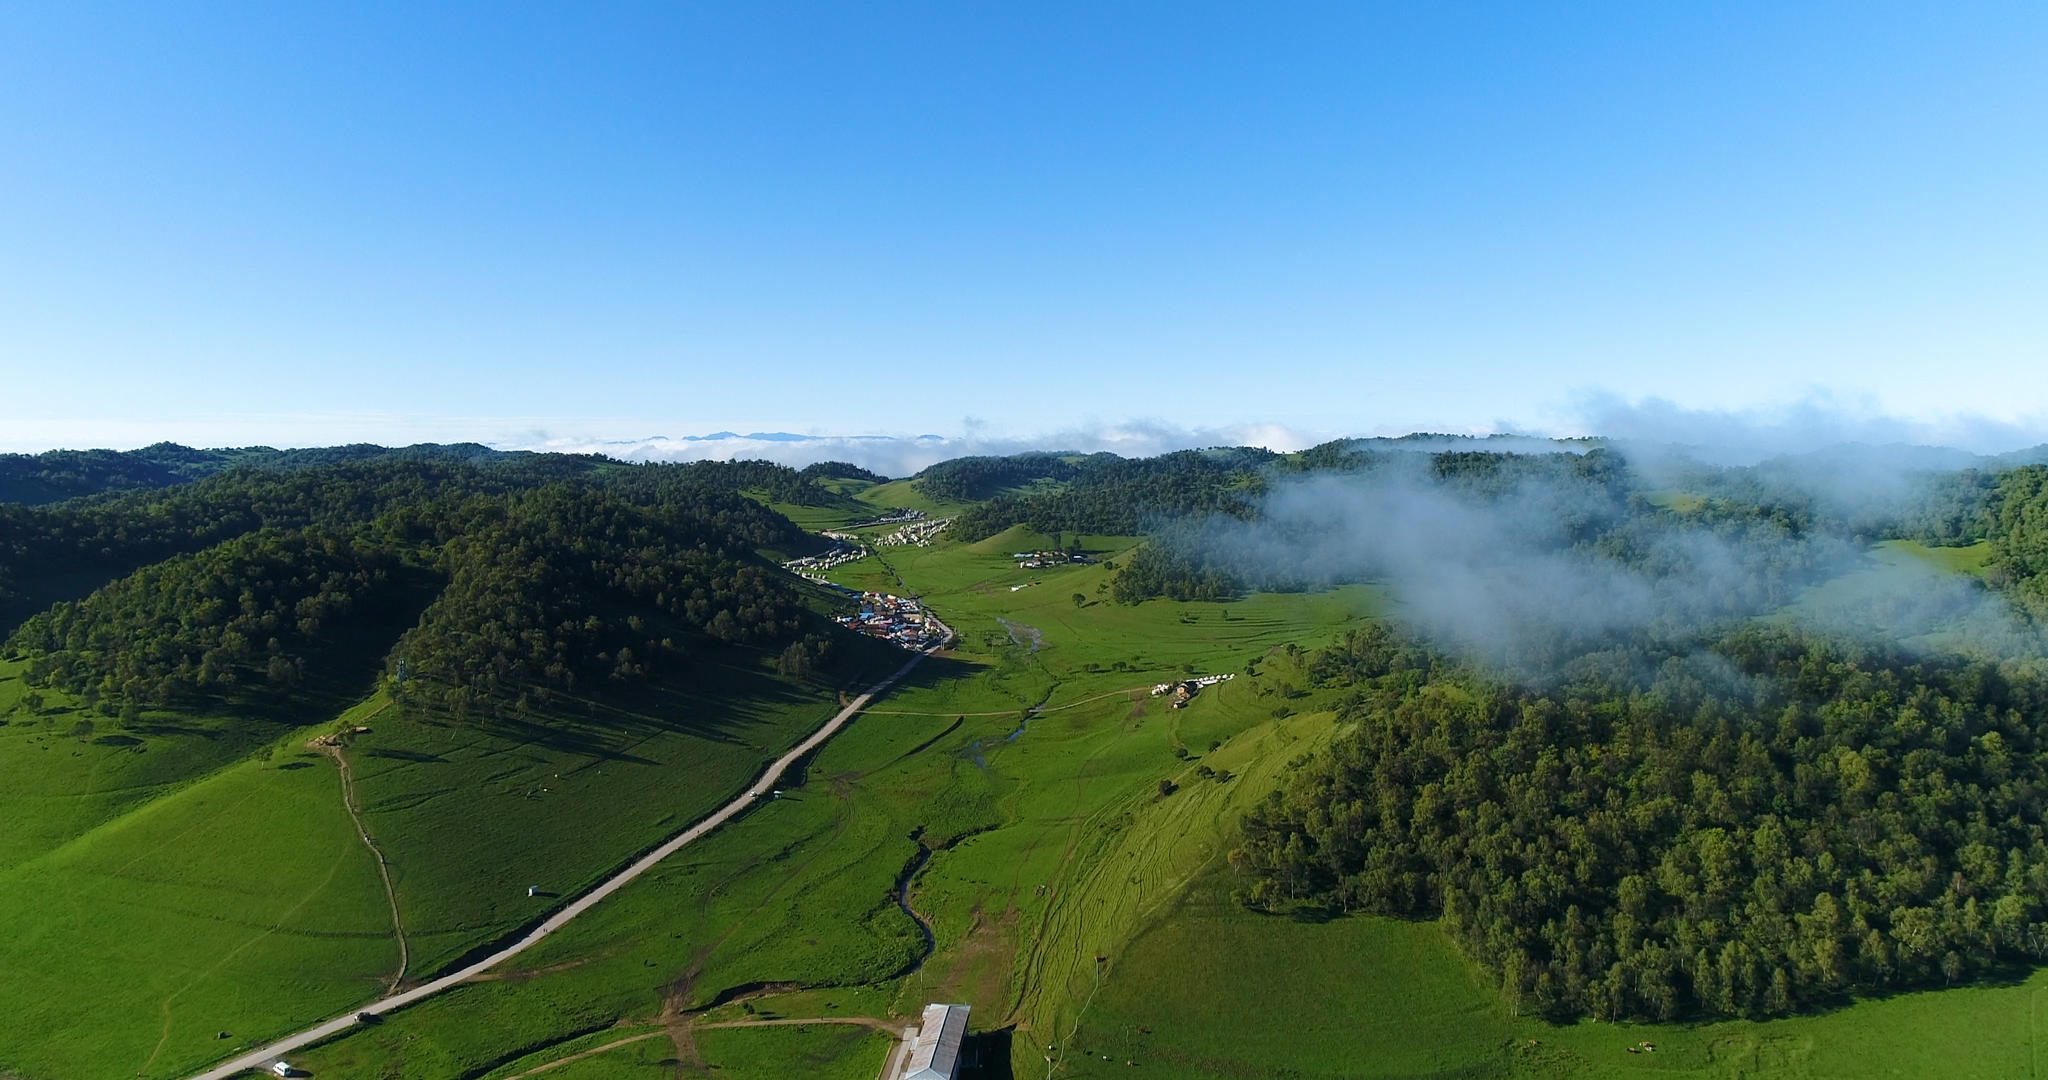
x=262, y=1057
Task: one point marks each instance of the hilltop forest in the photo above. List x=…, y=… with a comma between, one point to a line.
x=488, y=584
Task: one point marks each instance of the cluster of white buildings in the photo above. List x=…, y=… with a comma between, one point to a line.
x=814, y=566
x=919, y=533
x=1039, y=560
x=1184, y=690
x=889, y=519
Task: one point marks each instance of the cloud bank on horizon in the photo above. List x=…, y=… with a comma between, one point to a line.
x=1814, y=423
x=1651, y=428
x=895, y=455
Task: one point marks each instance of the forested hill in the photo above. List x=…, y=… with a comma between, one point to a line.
x=1760, y=829
x=36, y=479
x=1101, y=493
x=1750, y=819
x=539, y=578
x=40, y=479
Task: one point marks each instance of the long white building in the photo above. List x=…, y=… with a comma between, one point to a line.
x=936, y=1053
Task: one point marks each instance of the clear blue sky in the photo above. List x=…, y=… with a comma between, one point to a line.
x=297, y=223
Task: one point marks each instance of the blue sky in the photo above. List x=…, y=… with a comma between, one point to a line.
x=263, y=222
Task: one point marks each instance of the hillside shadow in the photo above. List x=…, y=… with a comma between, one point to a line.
x=726, y=695
x=161, y=728
x=986, y=1055
x=934, y=670
x=404, y=755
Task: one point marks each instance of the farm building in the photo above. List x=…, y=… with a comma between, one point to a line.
x=936, y=1053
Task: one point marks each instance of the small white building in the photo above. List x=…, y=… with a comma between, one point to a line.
x=936, y=1053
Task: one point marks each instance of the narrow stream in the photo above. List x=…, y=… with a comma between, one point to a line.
x=924, y=855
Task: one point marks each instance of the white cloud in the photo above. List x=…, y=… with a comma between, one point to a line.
x=1815, y=422
x=899, y=455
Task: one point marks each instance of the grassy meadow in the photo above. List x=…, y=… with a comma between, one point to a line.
x=237, y=896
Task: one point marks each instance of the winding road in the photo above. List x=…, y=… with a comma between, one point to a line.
x=263, y=1056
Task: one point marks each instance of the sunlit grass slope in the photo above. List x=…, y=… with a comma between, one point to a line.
x=175, y=882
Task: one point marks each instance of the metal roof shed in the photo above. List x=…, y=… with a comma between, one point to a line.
x=936, y=1053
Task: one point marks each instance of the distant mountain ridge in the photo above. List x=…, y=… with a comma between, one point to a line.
x=56, y=475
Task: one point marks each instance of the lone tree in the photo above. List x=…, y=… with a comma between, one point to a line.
x=1166, y=787
x=1079, y=599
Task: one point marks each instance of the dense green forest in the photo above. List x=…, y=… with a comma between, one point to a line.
x=1109, y=495
x=535, y=575
x=557, y=588
x=1757, y=818
x=966, y=479
x=57, y=475
x=34, y=479
x=839, y=470
x=1751, y=831
x=2017, y=523
x=45, y=550
x=246, y=612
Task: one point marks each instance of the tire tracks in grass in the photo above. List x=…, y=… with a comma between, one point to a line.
x=165, y=1035
x=684, y=985
x=1056, y=917
x=1056, y=902
x=872, y=1024
x=1035, y=710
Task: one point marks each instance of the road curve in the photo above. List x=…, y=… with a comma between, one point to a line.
x=262, y=1057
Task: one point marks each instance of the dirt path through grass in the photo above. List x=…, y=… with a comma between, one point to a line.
x=355, y=813
x=581, y=1054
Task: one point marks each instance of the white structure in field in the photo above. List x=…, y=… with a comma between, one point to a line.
x=936, y=1053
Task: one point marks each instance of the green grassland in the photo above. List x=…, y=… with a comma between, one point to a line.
x=820, y=1051
x=240, y=896
x=1215, y=991
x=238, y=903
x=1965, y=559
x=823, y=1051
x=859, y=500
x=908, y=495
x=1890, y=588
x=1683, y=502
